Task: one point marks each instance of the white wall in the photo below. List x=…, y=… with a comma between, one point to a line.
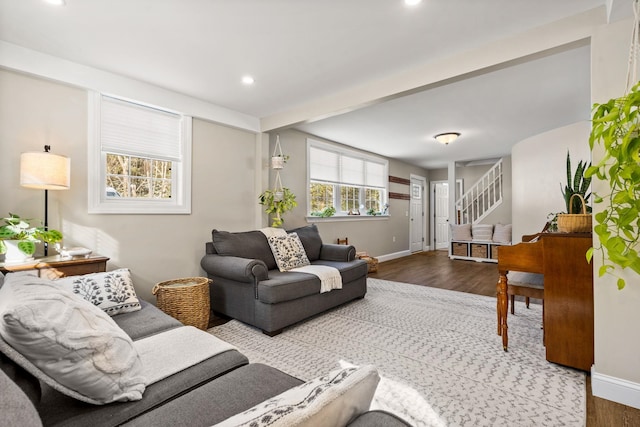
x=616, y=372
x=539, y=170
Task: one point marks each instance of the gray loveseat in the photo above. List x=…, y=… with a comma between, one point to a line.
x=248, y=286
x=204, y=394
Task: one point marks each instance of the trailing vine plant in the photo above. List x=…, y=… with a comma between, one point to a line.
x=616, y=127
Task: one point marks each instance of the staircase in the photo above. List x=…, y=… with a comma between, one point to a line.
x=482, y=198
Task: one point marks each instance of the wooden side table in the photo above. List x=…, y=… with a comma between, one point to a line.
x=54, y=267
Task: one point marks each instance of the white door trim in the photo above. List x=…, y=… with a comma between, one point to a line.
x=423, y=180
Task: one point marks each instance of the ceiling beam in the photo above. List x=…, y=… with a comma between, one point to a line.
x=565, y=32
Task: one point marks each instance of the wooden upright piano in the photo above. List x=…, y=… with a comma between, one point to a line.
x=568, y=293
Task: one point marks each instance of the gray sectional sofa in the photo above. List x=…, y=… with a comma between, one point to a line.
x=204, y=394
x=248, y=286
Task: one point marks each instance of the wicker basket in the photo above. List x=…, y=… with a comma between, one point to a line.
x=186, y=300
x=372, y=262
x=575, y=223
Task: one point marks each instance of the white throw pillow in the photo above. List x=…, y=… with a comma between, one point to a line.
x=461, y=232
x=288, y=251
x=332, y=400
x=502, y=233
x=483, y=232
x=73, y=342
x=112, y=291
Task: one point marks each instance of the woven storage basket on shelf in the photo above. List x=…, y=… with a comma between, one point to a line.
x=186, y=300
x=575, y=223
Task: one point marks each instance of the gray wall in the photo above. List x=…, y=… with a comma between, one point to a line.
x=375, y=236
x=34, y=112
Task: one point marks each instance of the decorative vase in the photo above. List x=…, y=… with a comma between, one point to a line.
x=14, y=255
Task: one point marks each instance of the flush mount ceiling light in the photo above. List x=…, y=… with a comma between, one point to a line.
x=411, y=2
x=248, y=80
x=447, y=137
x=55, y=2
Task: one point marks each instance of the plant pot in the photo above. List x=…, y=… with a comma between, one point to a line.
x=14, y=255
x=277, y=162
x=278, y=195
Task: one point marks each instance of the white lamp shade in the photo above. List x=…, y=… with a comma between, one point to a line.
x=45, y=171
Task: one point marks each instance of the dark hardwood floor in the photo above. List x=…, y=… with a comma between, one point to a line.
x=437, y=270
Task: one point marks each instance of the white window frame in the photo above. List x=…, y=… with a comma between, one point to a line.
x=99, y=203
x=341, y=151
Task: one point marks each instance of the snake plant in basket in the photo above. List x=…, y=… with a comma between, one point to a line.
x=18, y=238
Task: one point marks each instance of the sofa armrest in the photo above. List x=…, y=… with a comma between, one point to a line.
x=235, y=268
x=333, y=252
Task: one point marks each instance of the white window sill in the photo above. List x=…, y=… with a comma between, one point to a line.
x=338, y=218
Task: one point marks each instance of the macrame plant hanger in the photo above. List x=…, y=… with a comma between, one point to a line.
x=632, y=67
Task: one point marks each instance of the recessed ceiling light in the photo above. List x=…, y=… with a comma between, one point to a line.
x=55, y=2
x=411, y=2
x=248, y=80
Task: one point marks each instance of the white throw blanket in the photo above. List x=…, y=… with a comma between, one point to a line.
x=273, y=231
x=329, y=276
x=165, y=354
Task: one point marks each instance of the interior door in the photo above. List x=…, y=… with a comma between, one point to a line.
x=441, y=214
x=417, y=223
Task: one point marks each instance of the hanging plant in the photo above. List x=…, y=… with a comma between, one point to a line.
x=616, y=127
x=277, y=202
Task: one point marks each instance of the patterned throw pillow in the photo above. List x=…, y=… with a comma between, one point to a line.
x=112, y=291
x=288, y=251
x=69, y=344
x=335, y=399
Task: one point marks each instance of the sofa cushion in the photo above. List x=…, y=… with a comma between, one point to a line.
x=332, y=400
x=149, y=320
x=461, y=232
x=502, y=233
x=221, y=398
x=288, y=251
x=247, y=244
x=311, y=240
x=482, y=232
x=110, y=291
x=67, y=342
x=15, y=407
x=287, y=286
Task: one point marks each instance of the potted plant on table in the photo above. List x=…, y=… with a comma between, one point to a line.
x=18, y=238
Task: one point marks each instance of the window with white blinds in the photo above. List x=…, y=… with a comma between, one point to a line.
x=139, y=158
x=352, y=182
x=138, y=130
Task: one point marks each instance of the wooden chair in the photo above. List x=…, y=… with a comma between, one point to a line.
x=344, y=241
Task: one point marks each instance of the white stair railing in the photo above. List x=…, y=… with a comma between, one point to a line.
x=482, y=198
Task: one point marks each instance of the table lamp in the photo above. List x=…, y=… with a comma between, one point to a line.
x=45, y=171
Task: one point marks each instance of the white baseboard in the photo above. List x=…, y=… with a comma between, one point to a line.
x=389, y=257
x=615, y=389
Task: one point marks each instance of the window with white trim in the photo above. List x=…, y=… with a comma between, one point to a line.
x=347, y=180
x=139, y=158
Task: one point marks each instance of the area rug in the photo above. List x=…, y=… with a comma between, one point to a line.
x=438, y=354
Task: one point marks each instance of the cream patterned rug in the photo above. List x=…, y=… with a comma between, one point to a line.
x=438, y=354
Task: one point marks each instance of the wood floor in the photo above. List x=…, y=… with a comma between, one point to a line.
x=437, y=270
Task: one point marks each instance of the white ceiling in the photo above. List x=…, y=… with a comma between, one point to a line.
x=304, y=50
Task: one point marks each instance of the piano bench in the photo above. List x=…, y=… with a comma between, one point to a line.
x=528, y=285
